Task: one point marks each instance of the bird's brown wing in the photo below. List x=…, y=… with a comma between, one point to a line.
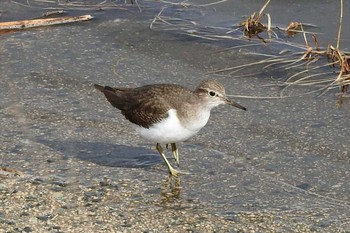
x=116, y=96
x=141, y=106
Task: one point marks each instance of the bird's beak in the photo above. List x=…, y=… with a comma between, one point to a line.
x=233, y=103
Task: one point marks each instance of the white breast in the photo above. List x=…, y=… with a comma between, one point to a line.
x=171, y=130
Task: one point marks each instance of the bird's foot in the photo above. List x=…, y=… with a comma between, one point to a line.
x=177, y=173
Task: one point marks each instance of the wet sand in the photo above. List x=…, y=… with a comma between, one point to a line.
x=71, y=163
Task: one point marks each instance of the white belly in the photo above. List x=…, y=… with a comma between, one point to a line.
x=171, y=130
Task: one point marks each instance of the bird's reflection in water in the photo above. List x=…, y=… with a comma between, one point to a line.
x=171, y=190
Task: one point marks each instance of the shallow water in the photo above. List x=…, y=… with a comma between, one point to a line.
x=286, y=157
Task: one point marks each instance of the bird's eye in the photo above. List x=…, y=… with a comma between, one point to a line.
x=212, y=93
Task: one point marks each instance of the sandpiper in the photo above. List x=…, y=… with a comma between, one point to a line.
x=168, y=113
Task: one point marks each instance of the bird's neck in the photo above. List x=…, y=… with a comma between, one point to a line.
x=194, y=117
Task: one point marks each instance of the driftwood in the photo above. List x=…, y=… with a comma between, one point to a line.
x=31, y=23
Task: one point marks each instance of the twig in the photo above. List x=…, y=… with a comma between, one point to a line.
x=156, y=17
x=23, y=24
x=212, y=3
x=340, y=23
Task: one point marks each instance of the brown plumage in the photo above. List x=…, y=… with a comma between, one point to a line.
x=149, y=104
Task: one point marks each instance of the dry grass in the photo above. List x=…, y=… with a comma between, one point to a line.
x=341, y=61
x=324, y=69
x=338, y=60
x=253, y=26
x=312, y=64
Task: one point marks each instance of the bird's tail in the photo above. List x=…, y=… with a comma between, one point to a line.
x=99, y=87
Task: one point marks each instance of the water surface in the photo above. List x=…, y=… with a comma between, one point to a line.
x=285, y=160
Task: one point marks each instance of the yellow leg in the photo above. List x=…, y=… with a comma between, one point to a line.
x=171, y=170
x=175, y=153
